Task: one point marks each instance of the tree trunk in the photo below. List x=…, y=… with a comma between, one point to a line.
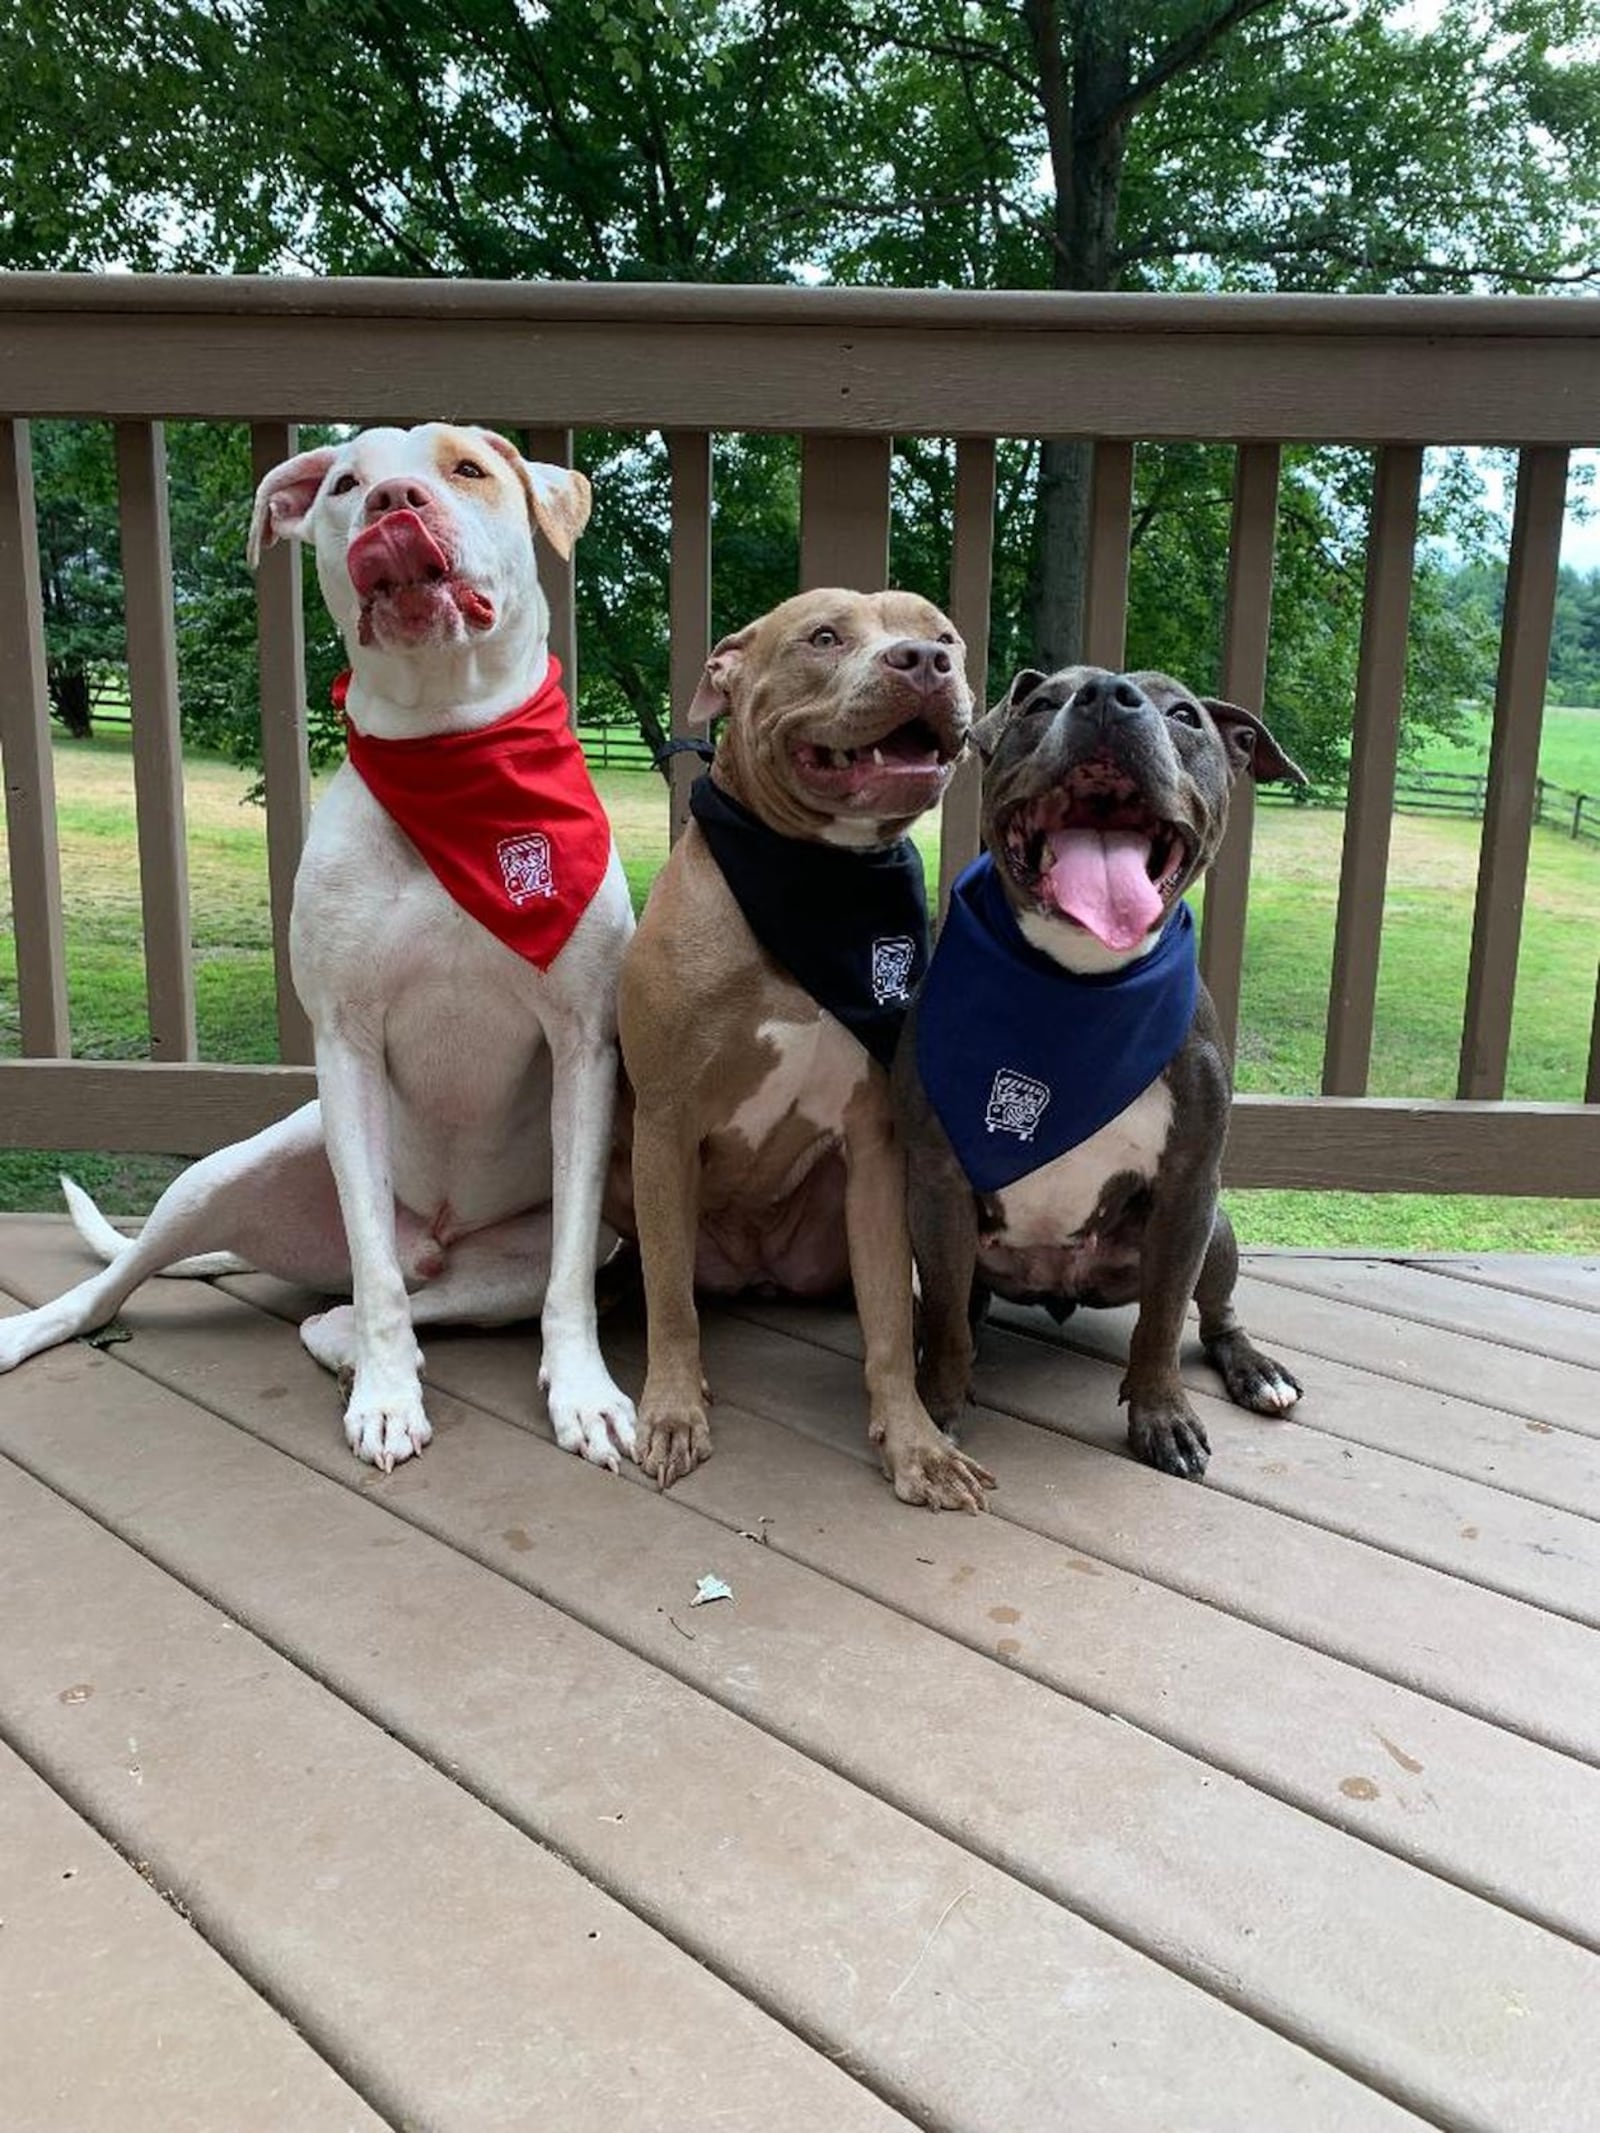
x=1058, y=562
x=69, y=699
x=1086, y=145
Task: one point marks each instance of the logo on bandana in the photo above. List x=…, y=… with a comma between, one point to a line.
x=1016, y=1104
x=892, y=960
x=525, y=867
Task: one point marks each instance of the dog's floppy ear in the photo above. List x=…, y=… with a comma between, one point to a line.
x=1250, y=746
x=711, y=698
x=986, y=731
x=284, y=498
x=558, y=497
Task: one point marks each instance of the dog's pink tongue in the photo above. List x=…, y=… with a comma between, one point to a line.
x=1098, y=877
x=398, y=550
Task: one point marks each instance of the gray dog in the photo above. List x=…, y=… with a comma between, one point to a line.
x=1062, y=1083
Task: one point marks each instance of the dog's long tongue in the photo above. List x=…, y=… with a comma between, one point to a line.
x=398, y=550
x=1098, y=877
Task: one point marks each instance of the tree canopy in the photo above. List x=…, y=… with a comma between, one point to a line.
x=1076, y=144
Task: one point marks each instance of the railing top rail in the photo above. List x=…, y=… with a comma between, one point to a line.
x=678, y=303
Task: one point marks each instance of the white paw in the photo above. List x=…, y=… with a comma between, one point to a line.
x=1278, y=1393
x=385, y=1425
x=589, y=1414
x=29, y=1333
x=330, y=1337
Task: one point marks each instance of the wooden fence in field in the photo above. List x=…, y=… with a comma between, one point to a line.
x=845, y=371
x=1463, y=793
x=1416, y=792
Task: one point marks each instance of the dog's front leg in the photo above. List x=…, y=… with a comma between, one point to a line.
x=674, y=1434
x=588, y=1412
x=383, y=1418
x=921, y=1463
x=1163, y=1428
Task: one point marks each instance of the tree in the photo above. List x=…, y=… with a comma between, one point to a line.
x=1075, y=144
x=80, y=572
x=1290, y=144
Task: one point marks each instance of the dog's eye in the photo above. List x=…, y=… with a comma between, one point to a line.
x=1184, y=713
x=470, y=470
x=344, y=485
x=824, y=637
x=947, y=636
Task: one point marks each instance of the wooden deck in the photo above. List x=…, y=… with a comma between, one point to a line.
x=330, y=1801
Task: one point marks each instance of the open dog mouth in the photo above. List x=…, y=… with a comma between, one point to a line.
x=398, y=562
x=908, y=752
x=1093, y=852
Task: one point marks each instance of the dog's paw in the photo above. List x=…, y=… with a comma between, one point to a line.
x=1253, y=1380
x=939, y=1476
x=329, y=1338
x=671, y=1446
x=385, y=1424
x=27, y=1334
x=1169, y=1434
x=589, y=1415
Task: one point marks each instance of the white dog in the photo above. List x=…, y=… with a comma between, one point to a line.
x=458, y=1146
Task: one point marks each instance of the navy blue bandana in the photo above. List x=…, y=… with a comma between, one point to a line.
x=850, y=926
x=1023, y=1060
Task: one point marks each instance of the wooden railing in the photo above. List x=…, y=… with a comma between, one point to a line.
x=846, y=371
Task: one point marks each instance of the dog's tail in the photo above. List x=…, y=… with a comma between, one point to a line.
x=109, y=1244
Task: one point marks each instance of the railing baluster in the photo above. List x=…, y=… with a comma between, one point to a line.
x=1246, y=631
x=1513, y=766
x=29, y=769
x=157, y=739
x=559, y=579
x=844, y=511
x=1591, y=1081
x=689, y=599
x=971, y=570
x=1375, y=748
x=283, y=739
x=1105, y=599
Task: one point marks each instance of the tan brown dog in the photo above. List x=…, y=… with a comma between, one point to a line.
x=764, y=1152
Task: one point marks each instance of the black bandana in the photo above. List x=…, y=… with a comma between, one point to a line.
x=850, y=926
x=1022, y=1059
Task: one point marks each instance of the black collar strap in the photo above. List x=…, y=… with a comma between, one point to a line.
x=668, y=749
x=849, y=925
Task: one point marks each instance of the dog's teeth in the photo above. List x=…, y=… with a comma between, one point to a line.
x=877, y=757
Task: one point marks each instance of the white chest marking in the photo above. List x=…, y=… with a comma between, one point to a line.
x=1053, y=1203
x=818, y=1069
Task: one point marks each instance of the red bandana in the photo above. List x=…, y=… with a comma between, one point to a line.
x=505, y=816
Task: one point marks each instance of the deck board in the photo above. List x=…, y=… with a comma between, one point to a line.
x=1487, y=1654
x=1570, y=1281
x=1518, y=1381
x=1518, y=1456
x=444, y=1964
x=999, y=1823
x=114, y=2013
x=1431, y=1296
x=1139, y=1651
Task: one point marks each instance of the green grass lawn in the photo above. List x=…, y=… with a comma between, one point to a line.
x=1569, y=749
x=1289, y=954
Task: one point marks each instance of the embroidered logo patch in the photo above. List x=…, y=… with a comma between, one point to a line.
x=892, y=960
x=525, y=867
x=1016, y=1104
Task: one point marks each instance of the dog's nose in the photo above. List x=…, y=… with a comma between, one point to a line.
x=401, y=494
x=1108, y=699
x=924, y=663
